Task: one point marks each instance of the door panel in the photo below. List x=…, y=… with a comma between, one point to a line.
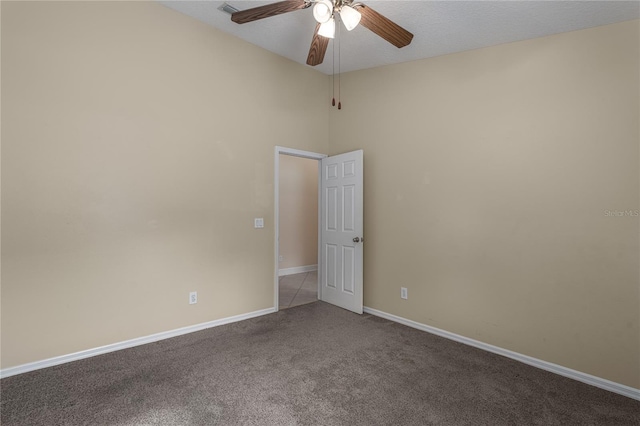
x=341, y=230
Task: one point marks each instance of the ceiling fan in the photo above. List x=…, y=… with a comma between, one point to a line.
x=324, y=11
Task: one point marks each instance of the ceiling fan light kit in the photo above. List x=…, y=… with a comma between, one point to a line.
x=324, y=10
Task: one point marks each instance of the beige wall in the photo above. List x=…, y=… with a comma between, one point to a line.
x=487, y=177
x=298, y=211
x=137, y=147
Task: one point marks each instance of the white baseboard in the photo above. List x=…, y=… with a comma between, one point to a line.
x=297, y=270
x=12, y=371
x=618, y=388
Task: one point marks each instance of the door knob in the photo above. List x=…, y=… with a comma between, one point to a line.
x=356, y=240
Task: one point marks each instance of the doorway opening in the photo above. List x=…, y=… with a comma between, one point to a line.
x=297, y=179
x=298, y=231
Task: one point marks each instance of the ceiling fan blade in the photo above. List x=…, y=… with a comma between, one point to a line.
x=268, y=10
x=384, y=27
x=318, y=48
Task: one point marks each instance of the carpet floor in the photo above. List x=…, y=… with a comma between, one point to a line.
x=310, y=365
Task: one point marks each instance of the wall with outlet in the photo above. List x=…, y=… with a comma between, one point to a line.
x=488, y=177
x=298, y=212
x=137, y=149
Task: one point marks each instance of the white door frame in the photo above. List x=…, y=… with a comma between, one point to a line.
x=276, y=190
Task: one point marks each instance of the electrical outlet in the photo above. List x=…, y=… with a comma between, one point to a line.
x=403, y=293
x=280, y=258
x=193, y=297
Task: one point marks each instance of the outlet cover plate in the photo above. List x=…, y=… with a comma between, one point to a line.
x=403, y=293
x=193, y=297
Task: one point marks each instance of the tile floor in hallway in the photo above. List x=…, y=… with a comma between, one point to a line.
x=298, y=289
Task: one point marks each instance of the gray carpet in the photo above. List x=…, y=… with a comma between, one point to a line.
x=310, y=365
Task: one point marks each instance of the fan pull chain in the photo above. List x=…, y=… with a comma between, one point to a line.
x=339, y=57
x=333, y=73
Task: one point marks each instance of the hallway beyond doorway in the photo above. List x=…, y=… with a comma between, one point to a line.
x=297, y=289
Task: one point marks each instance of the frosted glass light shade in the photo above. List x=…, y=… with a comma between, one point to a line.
x=328, y=29
x=350, y=17
x=322, y=11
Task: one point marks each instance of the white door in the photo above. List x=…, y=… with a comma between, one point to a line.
x=341, y=231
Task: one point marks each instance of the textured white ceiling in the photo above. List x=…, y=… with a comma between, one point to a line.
x=439, y=27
